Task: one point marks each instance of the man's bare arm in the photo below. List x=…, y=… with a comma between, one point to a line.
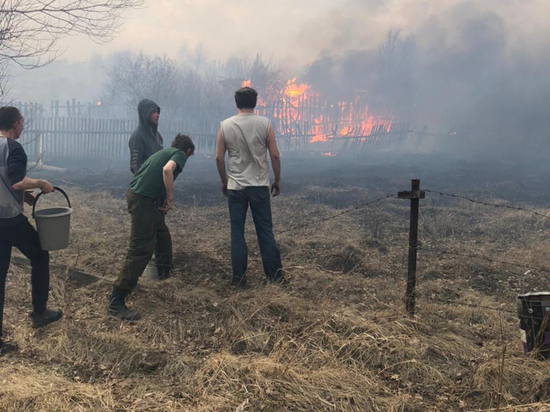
x=220, y=160
x=28, y=184
x=168, y=178
x=275, y=160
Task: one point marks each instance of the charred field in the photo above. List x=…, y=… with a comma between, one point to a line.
x=337, y=338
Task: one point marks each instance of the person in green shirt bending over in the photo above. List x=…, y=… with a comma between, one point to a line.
x=155, y=179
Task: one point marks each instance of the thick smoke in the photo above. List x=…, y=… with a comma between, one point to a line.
x=479, y=69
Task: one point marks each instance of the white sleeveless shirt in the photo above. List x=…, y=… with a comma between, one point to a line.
x=245, y=137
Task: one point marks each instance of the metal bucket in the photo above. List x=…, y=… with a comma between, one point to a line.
x=53, y=224
x=534, y=317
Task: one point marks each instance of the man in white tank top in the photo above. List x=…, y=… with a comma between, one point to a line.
x=247, y=137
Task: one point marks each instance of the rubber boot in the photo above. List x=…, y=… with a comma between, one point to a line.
x=117, y=306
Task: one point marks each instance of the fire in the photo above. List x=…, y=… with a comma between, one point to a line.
x=317, y=130
x=292, y=89
x=299, y=112
x=345, y=131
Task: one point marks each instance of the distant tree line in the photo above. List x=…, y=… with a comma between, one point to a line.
x=191, y=82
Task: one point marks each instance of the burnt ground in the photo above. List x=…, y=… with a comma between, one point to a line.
x=336, y=338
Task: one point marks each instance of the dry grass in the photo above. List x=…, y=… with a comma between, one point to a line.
x=336, y=339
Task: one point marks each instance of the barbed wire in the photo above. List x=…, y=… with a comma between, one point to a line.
x=520, y=265
x=338, y=214
x=534, y=212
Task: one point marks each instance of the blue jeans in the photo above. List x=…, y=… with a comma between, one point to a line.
x=260, y=204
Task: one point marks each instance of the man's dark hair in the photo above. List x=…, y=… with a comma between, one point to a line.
x=246, y=98
x=183, y=143
x=9, y=115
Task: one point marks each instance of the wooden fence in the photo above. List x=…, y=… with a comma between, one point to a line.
x=62, y=137
x=76, y=131
x=58, y=137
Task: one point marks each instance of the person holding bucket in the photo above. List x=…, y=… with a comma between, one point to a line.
x=149, y=233
x=15, y=229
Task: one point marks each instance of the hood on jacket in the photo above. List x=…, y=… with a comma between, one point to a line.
x=145, y=108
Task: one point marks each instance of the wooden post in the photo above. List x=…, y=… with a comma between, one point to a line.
x=415, y=195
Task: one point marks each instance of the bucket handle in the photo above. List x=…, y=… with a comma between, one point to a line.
x=57, y=189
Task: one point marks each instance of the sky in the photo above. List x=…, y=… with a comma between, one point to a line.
x=298, y=30
x=223, y=27
x=477, y=61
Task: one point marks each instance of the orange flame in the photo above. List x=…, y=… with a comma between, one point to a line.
x=317, y=130
x=287, y=108
x=318, y=138
x=292, y=89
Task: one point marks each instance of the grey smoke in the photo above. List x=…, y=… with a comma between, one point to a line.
x=477, y=68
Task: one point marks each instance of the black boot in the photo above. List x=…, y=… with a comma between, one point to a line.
x=41, y=319
x=239, y=283
x=117, y=306
x=163, y=272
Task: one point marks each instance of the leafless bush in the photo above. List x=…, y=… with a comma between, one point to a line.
x=188, y=90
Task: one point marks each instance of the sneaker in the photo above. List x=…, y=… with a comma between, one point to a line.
x=239, y=283
x=6, y=347
x=40, y=320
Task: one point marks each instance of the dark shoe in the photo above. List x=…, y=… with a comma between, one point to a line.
x=40, y=320
x=6, y=347
x=123, y=312
x=281, y=281
x=117, y=306
x=238, y=283
x=163, y=272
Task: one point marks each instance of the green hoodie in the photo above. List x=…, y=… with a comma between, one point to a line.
x=145, y=140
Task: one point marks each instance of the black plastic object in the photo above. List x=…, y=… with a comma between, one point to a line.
x=534, y=317
x=57, y=189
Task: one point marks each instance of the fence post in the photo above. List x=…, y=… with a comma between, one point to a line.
x=415, y=194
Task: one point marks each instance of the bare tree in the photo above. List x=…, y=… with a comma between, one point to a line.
x=181, y=90
x=30, y=30
x=194, y=90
